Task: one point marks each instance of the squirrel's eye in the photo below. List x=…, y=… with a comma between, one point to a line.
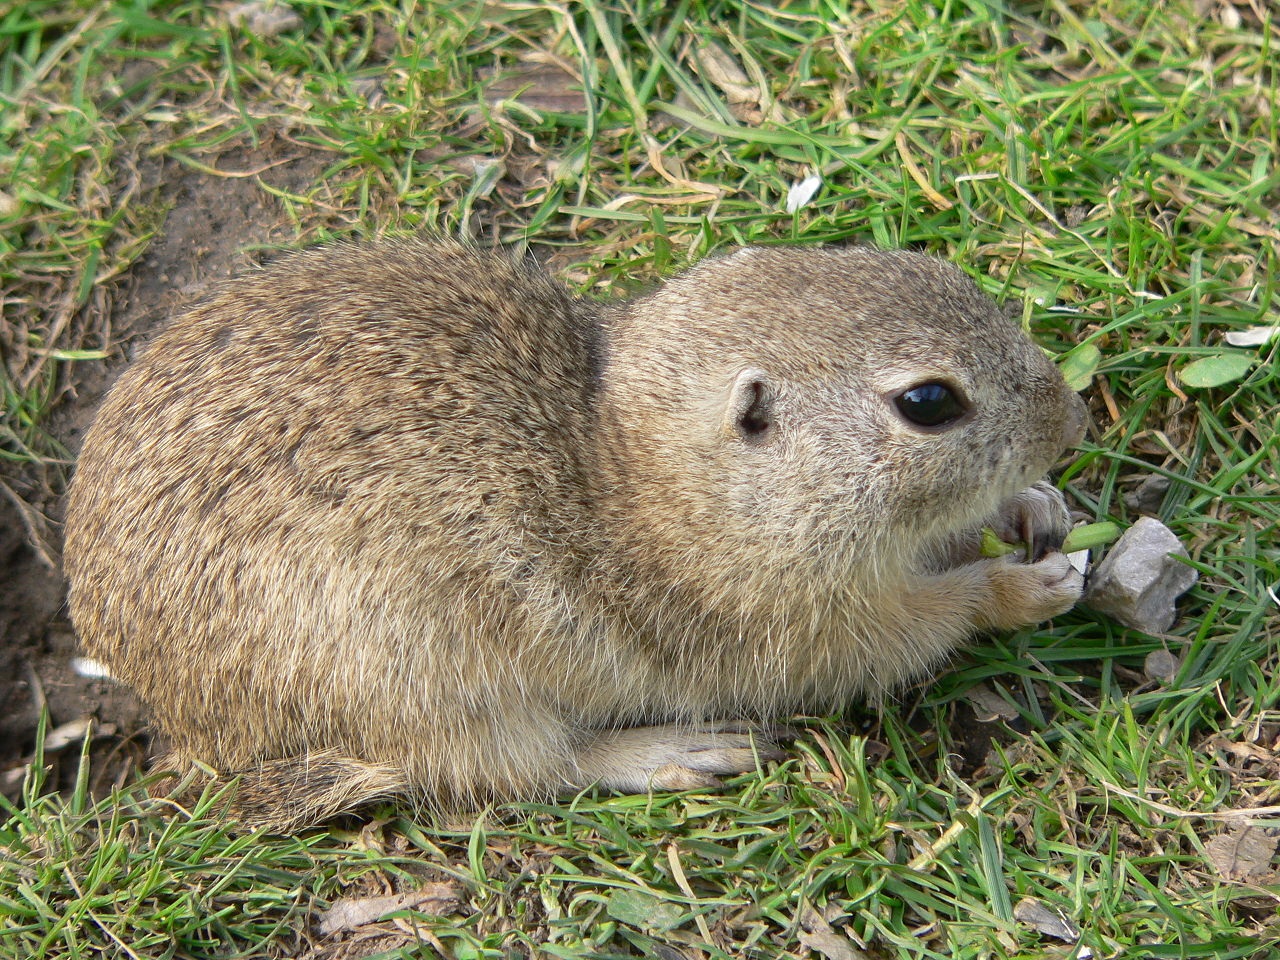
x=930, y=405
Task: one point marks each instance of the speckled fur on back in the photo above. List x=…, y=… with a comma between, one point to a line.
x=408, y=518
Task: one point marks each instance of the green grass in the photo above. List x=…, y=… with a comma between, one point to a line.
x=1109, y=167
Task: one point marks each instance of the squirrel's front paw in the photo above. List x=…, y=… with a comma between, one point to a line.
x=1023, y=594
x=1037, y=516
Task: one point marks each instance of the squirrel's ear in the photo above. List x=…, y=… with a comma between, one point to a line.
x=750, y=415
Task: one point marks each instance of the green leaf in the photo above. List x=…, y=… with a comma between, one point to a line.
x=644, y=912
x=1079, y=365
x=993, y=546
x=1090, y=536
x=1214, y=371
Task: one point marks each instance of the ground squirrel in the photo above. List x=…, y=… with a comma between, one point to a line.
x=406, y=518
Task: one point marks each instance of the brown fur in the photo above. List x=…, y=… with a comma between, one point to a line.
x=406, y=518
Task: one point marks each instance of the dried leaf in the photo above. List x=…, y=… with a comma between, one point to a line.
x=1045, y=920
x=1243, y=851
x=818, y=935
x=92, y=669
x=1252, y=336
x=1244, y=751
x=717, y=65
x=802, y=192
x=544, y=87
x=989, y=706
x=263, y=18
x=350, y=913
x=66, y=734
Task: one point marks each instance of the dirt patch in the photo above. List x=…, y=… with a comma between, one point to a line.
x=214, y=221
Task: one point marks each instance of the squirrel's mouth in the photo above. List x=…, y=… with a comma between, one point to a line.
x=958, y=520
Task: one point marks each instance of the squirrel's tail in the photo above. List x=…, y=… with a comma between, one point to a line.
x=290, y=794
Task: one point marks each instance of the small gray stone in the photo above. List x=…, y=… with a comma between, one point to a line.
x=1147, y=496
x=1139, y=580
x=1161, y=666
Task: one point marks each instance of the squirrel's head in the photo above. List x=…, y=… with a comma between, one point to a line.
x=833, y=405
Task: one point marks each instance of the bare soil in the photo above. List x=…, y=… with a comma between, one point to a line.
x=212, y=222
